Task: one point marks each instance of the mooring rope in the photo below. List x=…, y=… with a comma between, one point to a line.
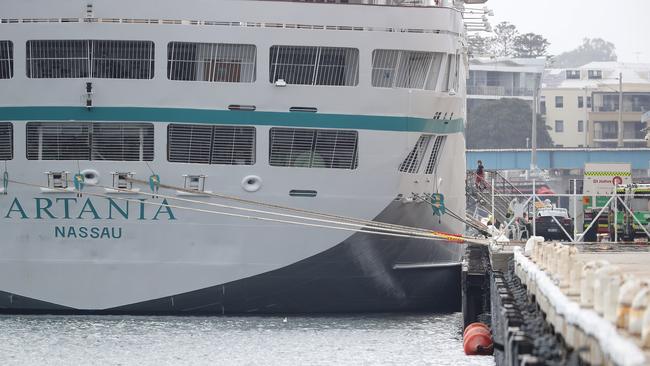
x=430, y=235
x=286, y=208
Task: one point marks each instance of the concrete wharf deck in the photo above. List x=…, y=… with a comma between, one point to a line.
x=595, y=296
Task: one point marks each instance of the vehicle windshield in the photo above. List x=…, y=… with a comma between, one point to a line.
x=557, y=212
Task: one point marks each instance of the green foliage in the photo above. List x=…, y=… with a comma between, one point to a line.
x=591, y=50
x=530, y=45
x=504, y=124
x=506, y=34
x=507, y=42
x=480, y=46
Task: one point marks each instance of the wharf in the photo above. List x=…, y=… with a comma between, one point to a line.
x=554, y=303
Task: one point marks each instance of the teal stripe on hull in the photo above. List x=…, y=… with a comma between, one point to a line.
x=291, y=119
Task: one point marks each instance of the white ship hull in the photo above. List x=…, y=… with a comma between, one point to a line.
x=99, y=250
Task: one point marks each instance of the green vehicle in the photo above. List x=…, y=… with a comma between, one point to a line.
x=629, y=227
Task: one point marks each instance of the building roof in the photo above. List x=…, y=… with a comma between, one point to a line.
x=633, y=73
x=508, y=64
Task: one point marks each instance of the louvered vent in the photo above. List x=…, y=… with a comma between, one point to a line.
x=6, y=141
x=201, y=144
x=414, y=159
x=438, y=144
x=90, y=141
x=6, y=60
x=308, y=148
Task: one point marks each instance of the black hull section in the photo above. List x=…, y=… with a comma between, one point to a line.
x=365, y=273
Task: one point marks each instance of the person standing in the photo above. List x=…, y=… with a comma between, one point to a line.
x=480, y=176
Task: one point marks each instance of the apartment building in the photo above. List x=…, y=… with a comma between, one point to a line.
x=581, y=105
x=494, y=78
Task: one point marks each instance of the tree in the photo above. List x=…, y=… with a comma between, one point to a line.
x=530, y=45
x=479, y=45
x=506, y=34
x=591, y=50
x=504, y=124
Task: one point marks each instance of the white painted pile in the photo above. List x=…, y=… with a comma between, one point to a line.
x=611, y=305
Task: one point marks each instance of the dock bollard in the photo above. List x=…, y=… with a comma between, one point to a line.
x=587, y=282
x=610, y=296
x=574, y=277
x=625, y=297
x=645, y=331
x=639, y=306
x=600, y=285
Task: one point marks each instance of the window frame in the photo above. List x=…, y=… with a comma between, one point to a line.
x=11, y=147
x=559, y=126
x=559, y=101
x=313, y=150
x=314, y=69
x=89, y=59
x=9, y=61
x=214, y=49
x=146, y=144
x=211, y=149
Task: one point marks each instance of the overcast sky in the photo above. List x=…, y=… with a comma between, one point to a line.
x=566, y=22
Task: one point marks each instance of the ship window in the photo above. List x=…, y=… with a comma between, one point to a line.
x=414, y=159
x=90, y=141
x=201, y=144
x=406, y=69
x=314, y=65
x=435, y=154
x=215, y=62
x=309, y=148
x=6, y=141
x=6, y=60
x=48, y=59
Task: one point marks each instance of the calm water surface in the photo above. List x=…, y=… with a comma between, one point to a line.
x=340, y=340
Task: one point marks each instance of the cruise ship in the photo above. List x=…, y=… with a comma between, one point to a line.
x=167, y=157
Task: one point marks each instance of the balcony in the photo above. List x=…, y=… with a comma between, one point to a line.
x=499, y=91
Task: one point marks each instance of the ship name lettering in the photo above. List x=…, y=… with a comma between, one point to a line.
x=84, y=232
x=70, y=208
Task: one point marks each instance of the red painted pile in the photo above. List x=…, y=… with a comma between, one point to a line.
x=477, y=340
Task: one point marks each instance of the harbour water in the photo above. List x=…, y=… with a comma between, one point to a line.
x=378, y=339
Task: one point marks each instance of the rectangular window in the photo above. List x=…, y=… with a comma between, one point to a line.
x=595, y=74
x=559, y=102
x=581, y=126
x=559, y=126
x=588, y=102
x=309, y=148
x=214, y=62
x=201, y=144
x=305, y=65
x=581, y=102
x=47, y=59
x=573, y=74
x=96, y=141
x=6, y=60
x=6, y=141
x=406, y=69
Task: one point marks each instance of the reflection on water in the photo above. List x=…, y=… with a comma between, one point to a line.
x=302, y=340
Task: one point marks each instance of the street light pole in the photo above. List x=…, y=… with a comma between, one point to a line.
x=620, y=110
x=533, y=151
